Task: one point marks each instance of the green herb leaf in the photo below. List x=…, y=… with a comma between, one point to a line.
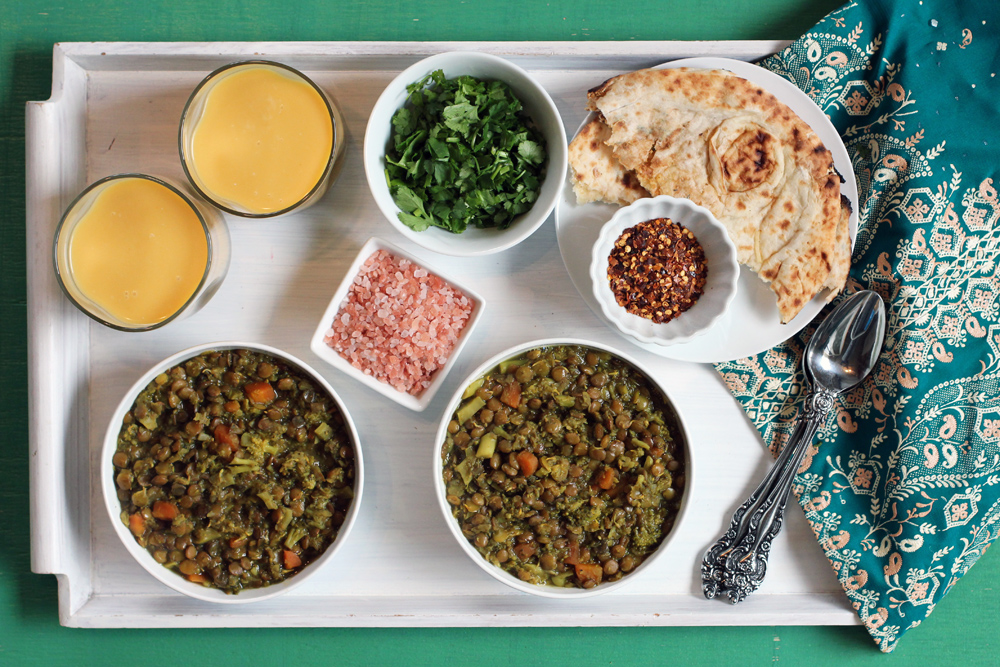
x=408, y=200
x=404, y=121
x=439, y=149
x=460, y=117
x=413, y=222
x=531, y=152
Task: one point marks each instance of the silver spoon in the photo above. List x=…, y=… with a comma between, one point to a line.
x=840, y=355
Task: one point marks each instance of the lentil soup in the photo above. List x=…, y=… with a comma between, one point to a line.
x=234, y=469
x=564, y=466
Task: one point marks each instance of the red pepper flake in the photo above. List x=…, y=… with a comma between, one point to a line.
x=657, y=269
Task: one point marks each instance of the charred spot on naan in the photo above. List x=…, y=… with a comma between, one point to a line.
x=845, y=203
x=598, y=90
x=742, y=156
x=749, y=161
x=630, y=182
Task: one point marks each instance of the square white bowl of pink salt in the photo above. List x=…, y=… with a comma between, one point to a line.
x=396, y=324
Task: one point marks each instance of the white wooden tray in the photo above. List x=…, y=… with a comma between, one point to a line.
x=115, y=108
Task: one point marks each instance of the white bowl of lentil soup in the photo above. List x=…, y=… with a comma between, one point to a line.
x=562, y=468
x=232, y=472
x=664, y=270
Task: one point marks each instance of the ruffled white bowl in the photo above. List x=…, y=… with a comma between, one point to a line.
x=720, y=285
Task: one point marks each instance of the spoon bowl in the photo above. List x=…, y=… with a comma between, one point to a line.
x=846, y=344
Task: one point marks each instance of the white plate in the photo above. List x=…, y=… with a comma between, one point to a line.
x=752, y=324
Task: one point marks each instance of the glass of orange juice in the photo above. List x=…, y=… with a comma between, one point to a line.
x=135, y=252
x=259, y=139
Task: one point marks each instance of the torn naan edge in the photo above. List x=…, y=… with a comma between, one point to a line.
x=732, y=147
x=840, y=257
x=597, y=175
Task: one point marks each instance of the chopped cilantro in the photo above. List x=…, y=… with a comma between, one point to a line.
x=463, y=153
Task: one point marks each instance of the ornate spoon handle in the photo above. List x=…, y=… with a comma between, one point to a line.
x=736, y=564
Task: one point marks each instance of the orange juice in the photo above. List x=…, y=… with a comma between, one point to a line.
x=139, y=252
x=261, y=140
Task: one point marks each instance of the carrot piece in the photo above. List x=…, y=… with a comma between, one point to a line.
x=528, y=463
x=164, y=510
x=617, y=489
x=291, y=559
x=197, y=578
x=136, y=524
x=574, y=554
x=589, y=572
x=605, y=479
x=260, y=392
x=224, y=437
x=511, y=394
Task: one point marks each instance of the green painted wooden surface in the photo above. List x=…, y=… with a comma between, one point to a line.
x=961, y=631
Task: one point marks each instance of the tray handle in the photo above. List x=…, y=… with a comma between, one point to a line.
x=55, y=142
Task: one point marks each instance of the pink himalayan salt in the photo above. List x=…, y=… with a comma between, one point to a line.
x=398, y=323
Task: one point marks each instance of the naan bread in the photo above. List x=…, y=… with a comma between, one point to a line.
x=732, y=147
x=597, y=174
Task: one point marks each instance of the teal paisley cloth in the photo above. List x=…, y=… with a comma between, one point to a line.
x=902, y=486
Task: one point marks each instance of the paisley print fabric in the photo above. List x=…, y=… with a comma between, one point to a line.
x=902, y=486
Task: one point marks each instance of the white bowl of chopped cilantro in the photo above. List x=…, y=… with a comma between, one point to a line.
x=465, y=153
